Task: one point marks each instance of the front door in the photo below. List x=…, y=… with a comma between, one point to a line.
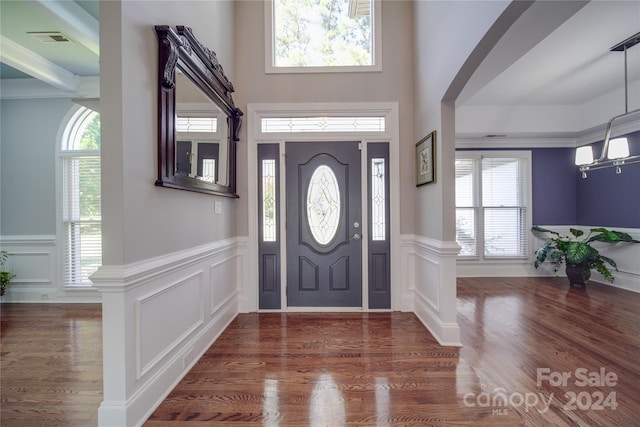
x=324, y=246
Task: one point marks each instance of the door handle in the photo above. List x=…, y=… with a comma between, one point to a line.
x=356, y=236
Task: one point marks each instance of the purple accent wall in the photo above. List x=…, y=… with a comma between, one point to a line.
x=561, y=197
x=607, y=199
x=553, y=186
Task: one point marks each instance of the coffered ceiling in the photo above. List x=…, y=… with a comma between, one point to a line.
x=53, y=42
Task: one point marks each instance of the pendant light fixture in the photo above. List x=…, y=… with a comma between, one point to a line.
x=616, y=150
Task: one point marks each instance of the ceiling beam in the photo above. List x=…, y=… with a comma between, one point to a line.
x=35, y=65
x=74, y=21
x=32, y=88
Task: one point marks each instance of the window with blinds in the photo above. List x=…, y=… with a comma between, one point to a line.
x=466, y=207
x=492, y=198
x=81, y=198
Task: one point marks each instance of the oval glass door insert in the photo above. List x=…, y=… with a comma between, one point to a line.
x=323, y=205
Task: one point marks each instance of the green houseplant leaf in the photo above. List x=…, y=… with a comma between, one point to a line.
x=576, y=250
x=5, y=276
x=576, y=232
x=578, y=253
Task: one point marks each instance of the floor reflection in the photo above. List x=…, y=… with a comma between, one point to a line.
x=382, y=401
x=270, y=408
x=327, y=404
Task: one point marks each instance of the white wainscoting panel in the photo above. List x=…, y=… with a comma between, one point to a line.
x=429, y=285
x=34, y=259
x=160, y=327
x=427, y=278
x=163, y=313
x=224, y=282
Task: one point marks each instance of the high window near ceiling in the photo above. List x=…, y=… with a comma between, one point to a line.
x=81, y=198
x=493, y=215
x=322, y=35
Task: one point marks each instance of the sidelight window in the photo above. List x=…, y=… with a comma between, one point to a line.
x=378, y=199
x=269, y=200
x=268, y=217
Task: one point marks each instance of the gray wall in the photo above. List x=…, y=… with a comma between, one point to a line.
x=446, y=33
x=141, y=221
x=28, y=144
x=393, y=84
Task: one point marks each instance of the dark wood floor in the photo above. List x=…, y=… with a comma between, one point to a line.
x=376, y=369
x=384, y=369
x=50, y=364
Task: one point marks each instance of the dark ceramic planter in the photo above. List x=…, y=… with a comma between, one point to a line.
x=578, y=275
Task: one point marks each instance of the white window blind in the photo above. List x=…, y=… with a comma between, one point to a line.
x=81, y=199
x=504, y=198
x=492, y=196
x=466, y=207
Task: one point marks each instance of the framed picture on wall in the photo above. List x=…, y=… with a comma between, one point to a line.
x=426, y=160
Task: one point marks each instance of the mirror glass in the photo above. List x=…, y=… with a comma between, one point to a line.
x=201, y=135
x=198, y=122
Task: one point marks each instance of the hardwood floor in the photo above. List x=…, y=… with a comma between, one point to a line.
x=385, y=369
x=375, y=369
x=50, y=364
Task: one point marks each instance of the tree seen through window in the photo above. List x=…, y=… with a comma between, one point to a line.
x=321, y=33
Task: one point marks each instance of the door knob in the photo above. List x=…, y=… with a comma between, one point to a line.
x=356, y=236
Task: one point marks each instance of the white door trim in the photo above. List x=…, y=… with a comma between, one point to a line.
x=255, y=136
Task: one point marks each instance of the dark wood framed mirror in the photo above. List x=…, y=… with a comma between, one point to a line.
x=198, y=123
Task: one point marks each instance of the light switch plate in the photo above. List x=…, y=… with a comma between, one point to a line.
x=217, y=208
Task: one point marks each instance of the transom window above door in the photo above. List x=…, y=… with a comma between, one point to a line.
x=323, y=124
x=322, y=36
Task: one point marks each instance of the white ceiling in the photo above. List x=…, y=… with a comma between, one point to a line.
x=557, y=54
x=573, y=64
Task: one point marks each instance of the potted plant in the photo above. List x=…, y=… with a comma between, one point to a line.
x=5, y=276
x=577, y=253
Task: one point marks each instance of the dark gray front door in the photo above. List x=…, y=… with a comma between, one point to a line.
x=183, y=158
x=324, y=224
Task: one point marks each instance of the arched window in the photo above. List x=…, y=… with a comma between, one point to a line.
x=81, y=206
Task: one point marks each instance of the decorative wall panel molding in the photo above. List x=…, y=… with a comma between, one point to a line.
x=429, y=269
x=169, y=310
x=32, y=258
x=151, y=316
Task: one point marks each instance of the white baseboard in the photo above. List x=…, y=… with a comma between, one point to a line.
x=622, y=280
